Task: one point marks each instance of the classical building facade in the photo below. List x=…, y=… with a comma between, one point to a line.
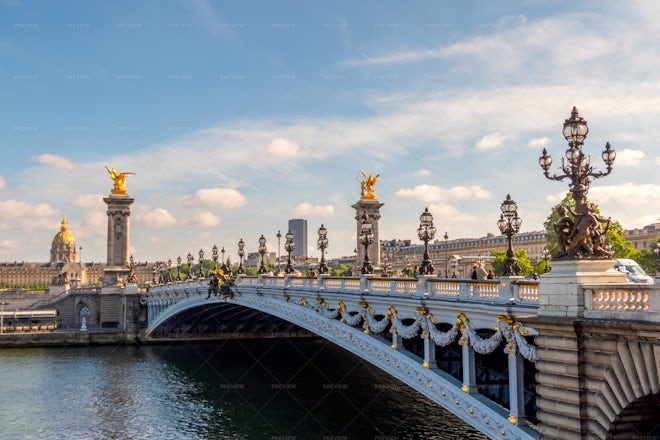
x=457, y=256
x=642, y=238
x=62, y=267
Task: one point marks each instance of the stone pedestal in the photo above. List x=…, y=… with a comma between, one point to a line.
x=560, y=294
x=372, y=208
x=119, y=211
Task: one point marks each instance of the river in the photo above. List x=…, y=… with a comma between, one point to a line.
x=293, y=389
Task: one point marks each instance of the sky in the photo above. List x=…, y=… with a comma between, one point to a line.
x=238, y=116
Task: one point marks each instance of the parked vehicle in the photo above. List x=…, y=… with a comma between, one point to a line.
x=633, y=271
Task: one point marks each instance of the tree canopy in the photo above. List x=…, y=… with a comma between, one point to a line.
x=526, y=268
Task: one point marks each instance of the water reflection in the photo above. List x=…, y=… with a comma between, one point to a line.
x=228, y=389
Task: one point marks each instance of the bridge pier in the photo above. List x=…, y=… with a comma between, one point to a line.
x=469, y=370
x=516, y=389
x=429, y=353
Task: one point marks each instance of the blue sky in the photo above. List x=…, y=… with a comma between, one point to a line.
x=238, y=116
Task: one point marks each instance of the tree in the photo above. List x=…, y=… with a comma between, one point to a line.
x=341, y=270
x=621, y=247
x=648, y=258
x=526, y=268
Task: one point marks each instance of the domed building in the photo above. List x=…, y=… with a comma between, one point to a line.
x=63, y=249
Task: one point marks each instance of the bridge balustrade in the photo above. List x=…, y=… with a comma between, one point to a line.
x=622, y=301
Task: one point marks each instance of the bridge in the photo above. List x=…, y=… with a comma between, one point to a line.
x=570, y=356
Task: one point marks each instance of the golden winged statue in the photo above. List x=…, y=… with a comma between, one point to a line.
x=367, y=185
x=119, y=179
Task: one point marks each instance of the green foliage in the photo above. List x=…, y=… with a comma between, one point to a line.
x=648, y=258
x=342, y=270
x=526, y=268
x=614, y=235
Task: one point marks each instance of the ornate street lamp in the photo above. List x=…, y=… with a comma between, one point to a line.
x=657, y=252
x=426, y=232
x=169, y=270
x=322, y=244
x=241, y=254
x=201, y=263
x=509, y=224
x=223, y=255
x=214, y=255
x=545, y=255
x=279, y=239
x=178, y=268
x=454, y=265
x=191, y=261
x=587, y=241
x=366, y=238
x=262, y=251
x=446, y=237
x=289, y=246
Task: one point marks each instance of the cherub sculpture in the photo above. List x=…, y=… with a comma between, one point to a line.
x=119, y=179
x=367, y=185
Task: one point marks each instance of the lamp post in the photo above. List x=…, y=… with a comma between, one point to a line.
x=322, y=244
x=509, y=224
x=446, y=238
x=214, y=255
x=169, y=270
x=241, y=254
x=2, y=315
x=262, y=251
x=289, y=246
x=588, y=241
x=279, y=239
x=201, y=263
x=426, y=232
x=657, y=252
x=366, y=238
x=191, y=260
x=222, y=251
x=545, y=254
x=178, y=268
x=131, y=269
x=454, y=265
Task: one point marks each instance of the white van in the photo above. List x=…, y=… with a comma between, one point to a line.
x=633, y=271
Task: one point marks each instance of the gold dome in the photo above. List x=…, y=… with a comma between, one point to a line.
x=64, y=236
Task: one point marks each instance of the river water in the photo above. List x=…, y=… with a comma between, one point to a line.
x=293, y=389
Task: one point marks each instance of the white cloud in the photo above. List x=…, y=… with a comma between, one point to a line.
x=429, y=193
x=627, y=194
x=3, y=183
x=6, y=245
x=422, y=173
x=628, y=157
x=284, y=148
x=26, y=216
x=308, y=210
x=492, y=141
x=537, y=143
x=89, y=201
x=55, y=161
x=217, y=198
x=156, y=218
x=202, y=219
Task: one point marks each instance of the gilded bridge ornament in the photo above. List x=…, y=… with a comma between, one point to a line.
x=119, y=179
x=367, y=186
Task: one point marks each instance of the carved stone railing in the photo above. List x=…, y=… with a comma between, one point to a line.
x=502, y=291
x=622, y=301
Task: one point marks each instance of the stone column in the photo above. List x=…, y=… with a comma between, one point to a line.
x=119, y=211
x=372, y=208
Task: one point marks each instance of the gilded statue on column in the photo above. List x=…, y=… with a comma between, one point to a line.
x=119, y=180
x=367, y=185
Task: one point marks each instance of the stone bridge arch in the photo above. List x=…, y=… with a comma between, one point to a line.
x=474, y=409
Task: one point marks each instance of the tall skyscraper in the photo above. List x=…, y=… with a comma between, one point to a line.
x=298, y=227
